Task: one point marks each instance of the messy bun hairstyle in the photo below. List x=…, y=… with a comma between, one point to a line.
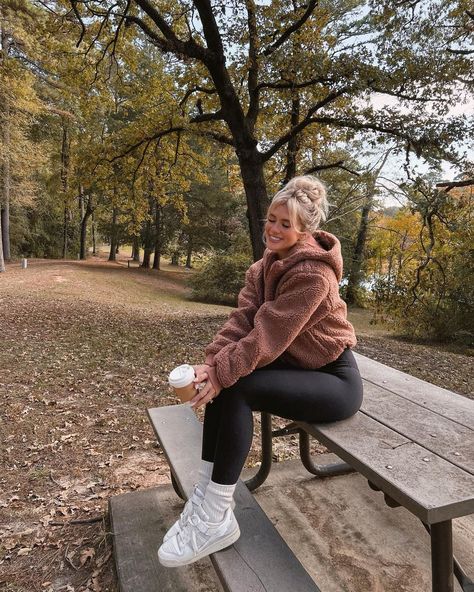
x=305, y=197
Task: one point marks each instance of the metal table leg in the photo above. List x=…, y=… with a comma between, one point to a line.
x=442, y=557
x=266, y=463
x=464, y=580
x=329, y=470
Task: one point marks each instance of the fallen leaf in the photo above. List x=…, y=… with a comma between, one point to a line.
x=86, y=554
x=24, y=551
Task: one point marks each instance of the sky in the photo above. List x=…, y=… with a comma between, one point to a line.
x=393, y=168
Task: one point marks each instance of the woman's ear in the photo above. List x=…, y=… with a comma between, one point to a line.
x=303, y=236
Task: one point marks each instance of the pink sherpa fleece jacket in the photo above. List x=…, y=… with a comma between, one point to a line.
x=288, y=308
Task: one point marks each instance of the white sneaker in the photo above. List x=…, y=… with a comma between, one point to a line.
x=199, y=538
x=193, y=502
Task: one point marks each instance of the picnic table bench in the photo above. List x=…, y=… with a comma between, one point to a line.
x=411, y=440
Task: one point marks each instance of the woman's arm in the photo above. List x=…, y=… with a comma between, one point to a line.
x=240, y=322
x=276, y=324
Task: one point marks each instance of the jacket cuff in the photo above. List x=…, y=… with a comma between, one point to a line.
x=209, y=360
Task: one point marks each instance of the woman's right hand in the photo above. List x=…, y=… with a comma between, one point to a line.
x=206, y=379
x=202, y=373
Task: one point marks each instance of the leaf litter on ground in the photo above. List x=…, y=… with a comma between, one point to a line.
x=81, y=361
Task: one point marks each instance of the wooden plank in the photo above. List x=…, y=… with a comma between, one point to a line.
x=430, y=487
x=260, y=561
x=446, y=403
x=138, y=526
x=440, y=435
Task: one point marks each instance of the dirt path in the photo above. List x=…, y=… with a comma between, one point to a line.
x=85, y=348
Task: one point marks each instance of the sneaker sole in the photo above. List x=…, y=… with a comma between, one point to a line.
x=217, y=546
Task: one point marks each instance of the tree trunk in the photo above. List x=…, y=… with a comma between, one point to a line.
x=293, y=144
x=2, y=261
x=157, y=254
x=149, y=242
x=5, y=223
x=250, y=159
x=251, y=167
x=355, y=275
x=82, y=209
x=357, y=258
x=189, y=252
x=136, y=248
x=94, y=251
x=87, y=212
x=5, y=213
x=6, y=186
x=64, y=184
x=146, y=257
x=113, y=236
x=65, y=230
x=175, y=258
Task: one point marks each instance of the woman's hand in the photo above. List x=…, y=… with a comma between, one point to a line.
x=207, y=377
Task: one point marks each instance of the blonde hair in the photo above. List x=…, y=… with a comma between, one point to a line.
x=305, y=197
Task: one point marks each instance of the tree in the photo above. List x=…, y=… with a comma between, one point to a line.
x=232, y=60
x=425, y=265
x=2, y=259
x=18, y=106
x=356, y=262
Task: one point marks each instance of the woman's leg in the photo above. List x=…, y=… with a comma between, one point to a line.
x=331, y=393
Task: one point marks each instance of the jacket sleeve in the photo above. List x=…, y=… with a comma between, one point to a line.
x=240, y=322
x=276, y=324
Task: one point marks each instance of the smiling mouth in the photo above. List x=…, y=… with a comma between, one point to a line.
x=274, y=238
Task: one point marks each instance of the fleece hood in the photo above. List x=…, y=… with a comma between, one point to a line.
x=322, y=247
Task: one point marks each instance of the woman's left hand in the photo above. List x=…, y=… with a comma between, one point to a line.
x=206, y=376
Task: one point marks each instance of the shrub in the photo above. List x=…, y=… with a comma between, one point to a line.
x=220, y=279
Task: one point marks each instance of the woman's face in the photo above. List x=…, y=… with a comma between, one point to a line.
x=280, y=235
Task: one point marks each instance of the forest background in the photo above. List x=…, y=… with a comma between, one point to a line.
x=168, y=125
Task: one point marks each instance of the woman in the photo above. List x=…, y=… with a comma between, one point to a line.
x=285, y=350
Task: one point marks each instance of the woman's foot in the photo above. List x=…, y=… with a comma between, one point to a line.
x=198, y=538
x=193, y=502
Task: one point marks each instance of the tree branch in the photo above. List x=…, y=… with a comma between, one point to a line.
x=187, y=48
x=147, y=141
x=294, y=85
x=398, y=94
x=221, y=138
x=217, y=116
x=78, y=16
x=460, y=51
x=211, y=30
x=334, y=165
x=303, y=123
x=160, y=42
x=190, y=91
x=451, y=184
x=298, y=24
x=253, y=89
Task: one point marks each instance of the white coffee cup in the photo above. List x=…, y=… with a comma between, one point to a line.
x=181, y=379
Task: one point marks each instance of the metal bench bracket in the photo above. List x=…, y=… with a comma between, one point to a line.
x=267, y=435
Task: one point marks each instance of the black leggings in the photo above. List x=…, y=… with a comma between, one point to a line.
x=330, y=393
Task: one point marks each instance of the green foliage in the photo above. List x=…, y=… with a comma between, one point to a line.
x=221, y=279
x=424, y=264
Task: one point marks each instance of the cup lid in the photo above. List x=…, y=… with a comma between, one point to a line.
x=181, y=376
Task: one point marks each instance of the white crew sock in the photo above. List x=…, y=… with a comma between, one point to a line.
x=217, y=499
x=204, y=476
